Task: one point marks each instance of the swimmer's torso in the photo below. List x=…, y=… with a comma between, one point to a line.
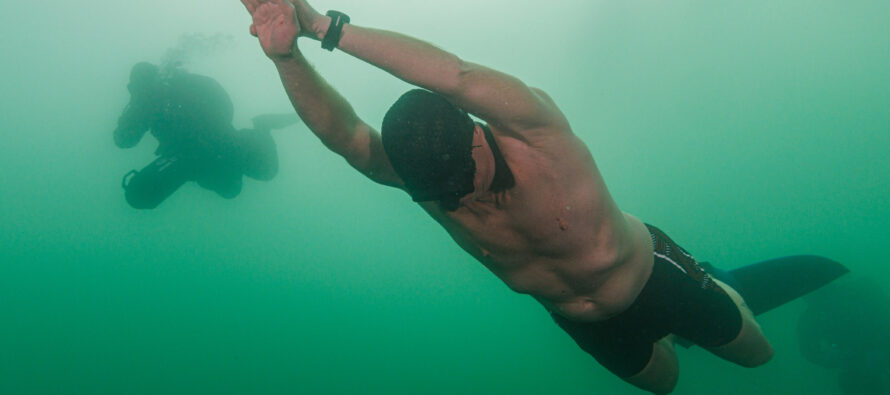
x=557, y=235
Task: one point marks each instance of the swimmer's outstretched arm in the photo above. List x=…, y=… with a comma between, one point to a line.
x=322, y=108
x=489, y=94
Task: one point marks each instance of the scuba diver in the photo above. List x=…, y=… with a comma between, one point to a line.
x=844, y=327
x=191, y=117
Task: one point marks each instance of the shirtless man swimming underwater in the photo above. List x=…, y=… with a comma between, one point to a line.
x=521, y=193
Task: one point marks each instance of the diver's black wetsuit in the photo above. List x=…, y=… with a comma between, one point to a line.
x=191, y=117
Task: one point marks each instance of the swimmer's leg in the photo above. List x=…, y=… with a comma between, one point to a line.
x=662, y=372
x=627, y=350
x=750, y=348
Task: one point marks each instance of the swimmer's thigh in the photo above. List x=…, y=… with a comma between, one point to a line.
x=749, y=348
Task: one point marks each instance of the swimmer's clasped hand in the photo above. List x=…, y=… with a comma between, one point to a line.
x=276, y=25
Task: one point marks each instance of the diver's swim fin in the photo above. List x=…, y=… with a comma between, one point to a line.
x=770, y=284
x=274, y=121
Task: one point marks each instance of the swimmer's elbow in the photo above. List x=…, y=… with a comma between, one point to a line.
x=121, y=143
x=128, y=137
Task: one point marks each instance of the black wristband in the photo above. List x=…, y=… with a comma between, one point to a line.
x=335, y=30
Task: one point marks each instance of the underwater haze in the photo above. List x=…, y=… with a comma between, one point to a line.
x=746, y=130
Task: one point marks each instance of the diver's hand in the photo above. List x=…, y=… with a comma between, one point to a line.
x=275, y=23
x=315, y=24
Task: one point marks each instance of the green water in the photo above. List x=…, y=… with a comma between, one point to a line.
x=747, y=130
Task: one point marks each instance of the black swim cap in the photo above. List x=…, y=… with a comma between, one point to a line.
x=429, y=142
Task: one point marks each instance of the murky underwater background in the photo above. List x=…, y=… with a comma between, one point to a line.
x=746, y=130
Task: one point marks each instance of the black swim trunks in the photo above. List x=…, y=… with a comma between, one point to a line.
x=679, y=298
